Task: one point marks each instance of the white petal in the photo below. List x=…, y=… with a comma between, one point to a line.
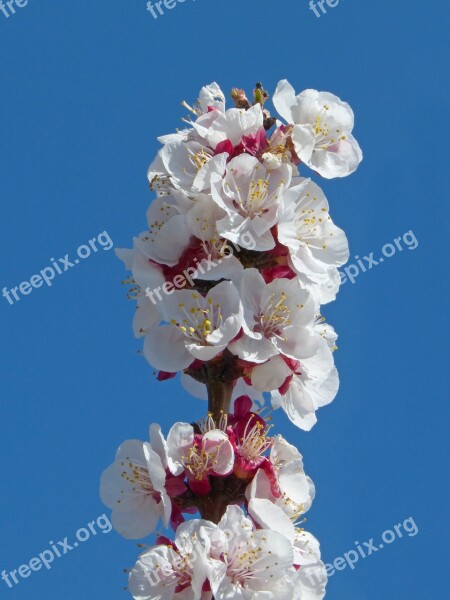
x=164, y=348
x=284, y=99
x=139, y=522
x=270, y=516
x=303, y=138
x=270, y=375
x=179, y=440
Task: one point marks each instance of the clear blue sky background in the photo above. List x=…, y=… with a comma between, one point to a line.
x=85, y=89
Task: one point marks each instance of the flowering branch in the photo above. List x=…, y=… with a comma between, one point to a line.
x=239, y=255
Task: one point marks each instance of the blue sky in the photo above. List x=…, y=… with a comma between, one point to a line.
x=85, y=89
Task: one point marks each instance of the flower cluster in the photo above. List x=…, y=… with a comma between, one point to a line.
x=245, y=249
x=239, y=255
x=219, y=470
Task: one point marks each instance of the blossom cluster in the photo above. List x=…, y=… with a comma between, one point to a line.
x=230, y=180
x=245, y=250
x=228, y=467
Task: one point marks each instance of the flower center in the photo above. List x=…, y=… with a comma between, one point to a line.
x=210, y=423
x=198, y=159
x=242, y=562
x=136, y=475
x=274, y=317
x=258, y=196
x=166, y=212
x=324, y=137
x=254, y=441
x=199, y=462
x=309, y=221
x=199, y=321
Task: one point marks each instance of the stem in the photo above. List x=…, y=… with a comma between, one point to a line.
x=219, y=397
x=219, y=402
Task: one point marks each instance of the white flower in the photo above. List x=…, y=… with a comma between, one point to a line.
x=327, y=332
x=307, y=547
x=279, y=150
x=232, y=125
x=199, y=456
x=310, y=582
x=316, y=246
x=178, y=571
x=200, y=327
x=255, y=563
x=294, y=485
x=134, y=488
x=211, y=97
x=311, y=577
x=190, y=165
x=271, y=161
x=202, y=222
x=322, y=130
x=289, y=489
x=300, y=389
x=168, y=234
x=250, y=196
x=279, y=319
x=146, y=274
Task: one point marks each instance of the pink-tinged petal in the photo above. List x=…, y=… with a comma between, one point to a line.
x=261, y=486
x=175, y=486
x=216, y=443
x=285, y=386
x=270, y=375
x=225, y=146
x=164, y=376
x=350, y=150
x=200, y=487
x=242, y=406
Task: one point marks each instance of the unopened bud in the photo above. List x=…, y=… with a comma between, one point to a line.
x=260, y=95
x=240, y=98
